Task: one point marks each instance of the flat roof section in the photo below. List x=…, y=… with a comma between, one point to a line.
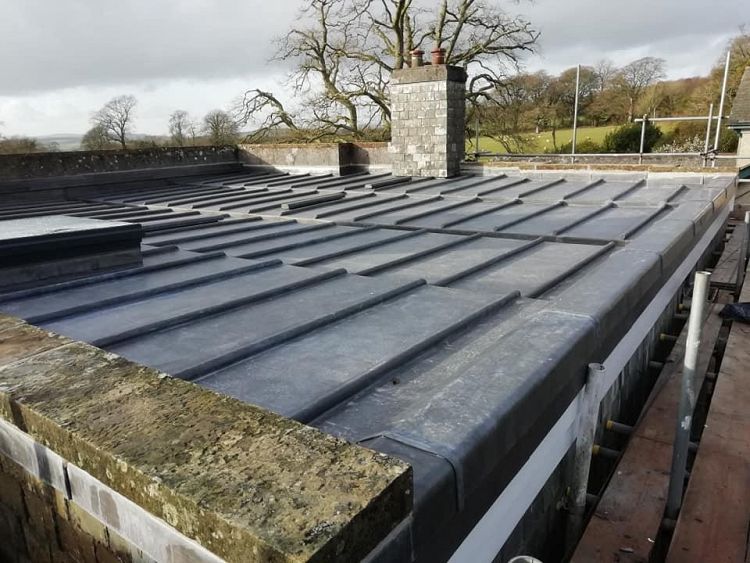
x=447, y=322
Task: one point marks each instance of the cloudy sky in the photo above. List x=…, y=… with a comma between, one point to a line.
x=62, y=59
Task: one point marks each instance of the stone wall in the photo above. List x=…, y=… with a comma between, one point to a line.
x=686, y=161
x=177, y=472
x=595, y=169
x=427, y=120
x=39, y=524
x=365, y=157
x=51, y=164
x=317, y=158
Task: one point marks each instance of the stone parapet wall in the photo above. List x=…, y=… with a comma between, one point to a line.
x=52, y=164
x=178, y=472
x=601, y=161
x=317, y=158
x=427, y=121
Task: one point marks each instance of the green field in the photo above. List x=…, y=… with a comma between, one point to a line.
x=542, y=142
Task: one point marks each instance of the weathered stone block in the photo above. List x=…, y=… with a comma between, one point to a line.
x=13, y=544
x=39, y=514
x=243, y=482
x=75, y=542
x=10, y=493
x=84, y=521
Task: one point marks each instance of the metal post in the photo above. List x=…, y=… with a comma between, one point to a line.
x=643, y=138
x=741, y=253
x=476, y=130
x=742, y=257
x=588, y=416
x=708, y=133
x=687, y=395
x=575, y=116
x=721, y=105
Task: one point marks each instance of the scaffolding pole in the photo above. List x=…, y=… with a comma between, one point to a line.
x=721, y=104
x=575, y=116
x=687, y=395
x=708, y=133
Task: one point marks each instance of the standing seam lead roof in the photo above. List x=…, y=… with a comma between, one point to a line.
x=448, y=322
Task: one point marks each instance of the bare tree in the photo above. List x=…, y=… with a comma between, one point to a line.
x=220, y=128
x=96, y=139
x=115, y=118
x=181, y=127
x=604, y=71
x=268, y=109
x=345, y=53
x=634, y=78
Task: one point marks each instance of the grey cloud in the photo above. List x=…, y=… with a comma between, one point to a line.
x=47, y=45
x=680, y=31
x=53, y=44
x=62, y=59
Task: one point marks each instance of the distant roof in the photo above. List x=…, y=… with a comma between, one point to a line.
x=740, y=116
x=448, y=322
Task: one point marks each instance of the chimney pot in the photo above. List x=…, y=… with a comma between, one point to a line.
x=416, y=58
x=438, y=56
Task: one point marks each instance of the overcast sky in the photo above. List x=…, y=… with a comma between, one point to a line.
x=60, y=60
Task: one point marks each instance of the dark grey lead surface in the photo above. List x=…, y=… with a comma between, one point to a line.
x=448, y=322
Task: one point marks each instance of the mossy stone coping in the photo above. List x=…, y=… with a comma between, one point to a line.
x=247, y=484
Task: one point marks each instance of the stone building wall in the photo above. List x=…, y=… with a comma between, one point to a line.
x=39, y=524
x=427, y=120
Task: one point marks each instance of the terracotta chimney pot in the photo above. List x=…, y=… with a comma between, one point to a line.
x=438, y=56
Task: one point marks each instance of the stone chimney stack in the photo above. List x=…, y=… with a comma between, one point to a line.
x=427, y=119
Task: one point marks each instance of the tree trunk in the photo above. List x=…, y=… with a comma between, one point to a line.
x=554, y=137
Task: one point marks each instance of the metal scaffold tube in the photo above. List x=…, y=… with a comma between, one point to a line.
x=708, y=133
x=687, y=395
x=742, y=257
x=587, y=424
x=721, y=104
x=575, y=116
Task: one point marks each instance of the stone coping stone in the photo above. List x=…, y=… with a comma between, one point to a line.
x=429, y=73
x=246, y=483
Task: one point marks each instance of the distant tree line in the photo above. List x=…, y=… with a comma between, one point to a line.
x=112, y=128
x=534, y=102
x=17, y=144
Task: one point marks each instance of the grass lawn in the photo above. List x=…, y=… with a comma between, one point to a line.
x=542, y=142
